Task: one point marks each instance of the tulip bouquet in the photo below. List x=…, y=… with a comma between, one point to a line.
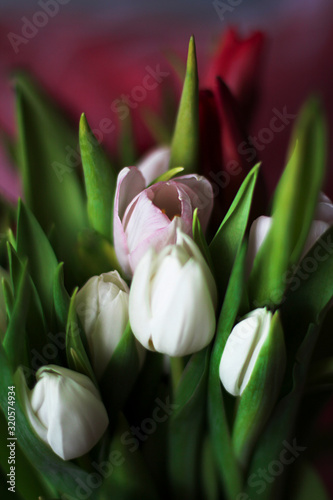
x=166, y=332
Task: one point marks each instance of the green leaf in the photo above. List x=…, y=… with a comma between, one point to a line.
x=95, y=254
x=280, y=428
x=61, y=298
x=76, y=343
x=293, y=208
x=63, y=476
x=309, y=484
x=229, y=471
x=168, y=175
x=8, y=296
x=185, y=141
x=49, y=156
x=186, y=427
x=261, y=393
x=15, y=343
x=228, y=239
x=120, y=375
x=100, y=180
x=308, y=295
x=200, y=239
x=33, y=245
x=127, y=476
x=28, y=481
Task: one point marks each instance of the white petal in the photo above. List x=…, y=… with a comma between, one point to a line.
x=258, y=232
x=318, y=228
x=242, y=349
x=187, y=323
x=139, y=298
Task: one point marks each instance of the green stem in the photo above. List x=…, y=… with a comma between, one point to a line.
x=177, y=368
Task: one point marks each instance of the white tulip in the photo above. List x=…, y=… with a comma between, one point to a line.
x=323, y=220
x=102, y=306
x=172, y=299
x=242, y=350
x=65, y=410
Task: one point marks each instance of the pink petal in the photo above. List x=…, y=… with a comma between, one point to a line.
x=154, y=164
x=200, y=192
x=130, y=182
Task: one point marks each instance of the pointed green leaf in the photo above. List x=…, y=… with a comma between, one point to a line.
x=168, y=175
x=185, y=141
x=229, y=237
x=61, y=298
x=293, y=208
x=15, y=342
x=100, y=180
x=229, y=471
x=50, y=158
x=8, y=296
x=33, y=245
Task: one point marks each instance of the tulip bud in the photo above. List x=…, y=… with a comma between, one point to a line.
x=323, y=220
x=102, y=306
x=242, y=350
x=65, y=410
x=252, y=367
x=149, y=217
x=172, y=299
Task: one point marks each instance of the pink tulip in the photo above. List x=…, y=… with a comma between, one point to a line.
x=149, y=216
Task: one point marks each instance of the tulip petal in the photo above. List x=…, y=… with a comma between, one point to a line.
x=200, y=192
x=130, y=183
x=139, y=298
x=154, y=164
x=187, y=323
x=242, y=350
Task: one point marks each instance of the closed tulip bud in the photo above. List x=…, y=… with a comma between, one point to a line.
x=323, y=220
x=65, y=410
x=252, y=367
x=242, y=350
x=102, y=306
x=172, y=299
